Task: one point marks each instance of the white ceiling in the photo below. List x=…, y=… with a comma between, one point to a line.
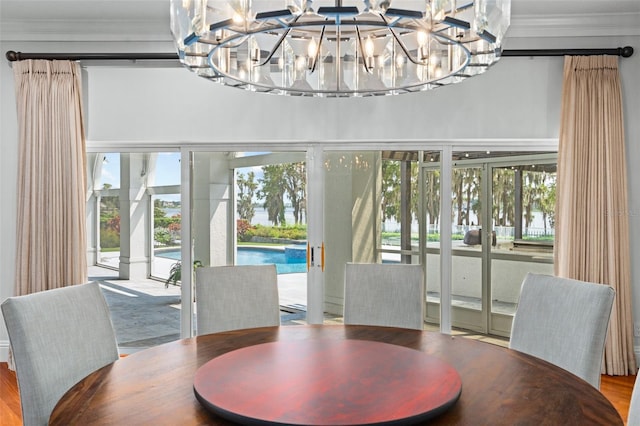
x=148, y=20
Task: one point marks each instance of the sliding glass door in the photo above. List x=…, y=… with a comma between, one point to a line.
x=371, y=208
x=133, y=216
x=250, y=208
x=477, y=221
x=501, y=228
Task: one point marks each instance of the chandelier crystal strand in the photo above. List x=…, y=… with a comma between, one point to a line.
x=332, y=48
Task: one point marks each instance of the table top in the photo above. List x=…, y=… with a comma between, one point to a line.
x=327, y=382
x=499, y=385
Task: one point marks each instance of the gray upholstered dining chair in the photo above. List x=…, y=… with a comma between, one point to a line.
x=384, y=294
x=57, y=337
x=633, y=416
x=565, y=322
x=236, y=297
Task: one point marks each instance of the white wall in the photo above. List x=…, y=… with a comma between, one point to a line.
x=174, y=104
x=518, y=99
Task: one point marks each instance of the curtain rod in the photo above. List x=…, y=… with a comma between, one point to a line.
x=13, y=56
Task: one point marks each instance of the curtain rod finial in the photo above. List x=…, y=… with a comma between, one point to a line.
x=12, y=56
x=626, y=51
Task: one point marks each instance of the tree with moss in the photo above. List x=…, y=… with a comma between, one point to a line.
x=295, y=182
x=390, y=203
x=272, y=192
x=247, y=187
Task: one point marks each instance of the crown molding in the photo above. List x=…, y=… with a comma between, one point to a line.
x=95, y=30
x=578, y=25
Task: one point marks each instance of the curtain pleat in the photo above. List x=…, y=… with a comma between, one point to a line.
x=51, y=228
x=592, y=224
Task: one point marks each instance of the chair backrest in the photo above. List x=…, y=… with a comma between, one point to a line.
x=633, y=417
x=236, y=297
x=565, y=322
x=57, y=337
x=384, y=294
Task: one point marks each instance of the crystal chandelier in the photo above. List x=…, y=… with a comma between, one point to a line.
x=339, y=47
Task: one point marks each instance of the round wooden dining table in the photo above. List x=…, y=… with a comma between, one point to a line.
x=500, y=386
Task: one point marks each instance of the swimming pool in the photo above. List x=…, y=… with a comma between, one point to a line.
x=296, y=263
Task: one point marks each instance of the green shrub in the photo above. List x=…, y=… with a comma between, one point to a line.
x=162, y=235
x=243, y=229
x=109, y=238
x=296, y=232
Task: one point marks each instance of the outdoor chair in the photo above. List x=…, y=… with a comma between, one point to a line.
x=565, y=322
x=384, y=294
x=236, y=297
x=57, y=338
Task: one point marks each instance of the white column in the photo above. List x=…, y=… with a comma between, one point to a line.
x=135, y=217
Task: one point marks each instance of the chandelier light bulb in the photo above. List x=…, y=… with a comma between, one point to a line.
x=237, y=18
x=368, y=53
x=337, y=41
x=421, y=37
x=301, y=63
x=312, y=49
x=368, y=47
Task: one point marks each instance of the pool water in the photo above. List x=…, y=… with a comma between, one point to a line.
x=259, y=256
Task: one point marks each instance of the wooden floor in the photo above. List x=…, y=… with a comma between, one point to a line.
x=617, y=389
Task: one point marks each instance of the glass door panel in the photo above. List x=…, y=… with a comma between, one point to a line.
x=166, y=221
x=272, y=225
x=523, y=203
x=106, y=175
x=502, y=207
x=371, y=214
x=163, y=186
x=145, y=312
x=250, y=208
x=109, y=231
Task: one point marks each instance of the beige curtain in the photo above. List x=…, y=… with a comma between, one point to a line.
x=592, y=229
x=51, y=226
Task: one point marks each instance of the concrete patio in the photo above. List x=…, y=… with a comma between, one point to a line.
x=146, y=313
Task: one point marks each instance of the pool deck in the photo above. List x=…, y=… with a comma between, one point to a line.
x=146, y=313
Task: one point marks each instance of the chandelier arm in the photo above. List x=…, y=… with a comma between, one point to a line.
x=364, y=61
x=273, y=51
x=464, y=7
x=238, y=38
x=404, y=48
x=400, y=43
x=286, y=25
x=317, y=55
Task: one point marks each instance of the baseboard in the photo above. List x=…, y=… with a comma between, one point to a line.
x=4, y=350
